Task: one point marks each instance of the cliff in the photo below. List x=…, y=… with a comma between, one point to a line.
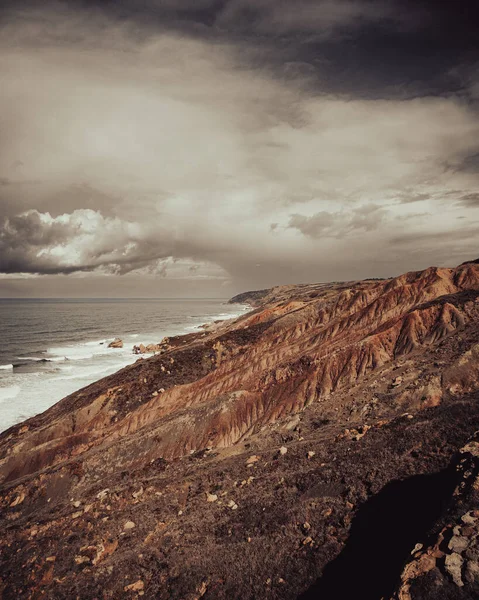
x=301, y=450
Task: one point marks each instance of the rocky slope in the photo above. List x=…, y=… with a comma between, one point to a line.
x=302, y=450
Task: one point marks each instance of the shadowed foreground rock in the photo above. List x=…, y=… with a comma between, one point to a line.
x=302, y=450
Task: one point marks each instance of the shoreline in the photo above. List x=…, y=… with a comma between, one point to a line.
x=33, y=381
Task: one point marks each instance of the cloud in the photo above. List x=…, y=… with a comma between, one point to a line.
x=325, y=224
x=470, y=200
x=128, y=146
x=84, y=240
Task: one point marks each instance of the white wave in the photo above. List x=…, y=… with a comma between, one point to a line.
x=6, y=367
x=10, y=392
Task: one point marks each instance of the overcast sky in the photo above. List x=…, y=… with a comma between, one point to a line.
x=207, y=147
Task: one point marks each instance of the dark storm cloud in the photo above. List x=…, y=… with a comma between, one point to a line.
x=368, y=48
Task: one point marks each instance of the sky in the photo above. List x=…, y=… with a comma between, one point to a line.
x=202, y=148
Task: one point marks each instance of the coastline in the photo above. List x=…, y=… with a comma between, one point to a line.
x=33, y=381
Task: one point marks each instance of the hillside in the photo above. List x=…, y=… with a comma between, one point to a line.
x=301, y=450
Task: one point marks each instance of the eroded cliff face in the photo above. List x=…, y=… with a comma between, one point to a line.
x=362, y=382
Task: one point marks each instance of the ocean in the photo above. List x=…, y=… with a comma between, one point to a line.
x=50, y=348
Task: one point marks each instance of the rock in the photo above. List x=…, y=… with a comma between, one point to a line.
x=232, y=504
x=252, y=460
x=116, y=343
x=18, y=500
x=306, y=526
x=139, y=349
x=77, y=504
x=469, y=518
x=311, y=453
x=416, y=548
x=79, y=560
x=104, y=550
x=138, y=586
x=283, y=450
x=211, y=497
x=308, y=541
x=77, y=515
x=161, y=390
x=397, y=382
x=472, y=572
x=453, y=564
x=292, y=424
x=138, y=493
x=103, y=494
x=458, y=543
x=129, y=525
x=202, y=589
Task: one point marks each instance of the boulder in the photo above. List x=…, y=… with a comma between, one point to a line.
x=139, y=349
x=116, y=343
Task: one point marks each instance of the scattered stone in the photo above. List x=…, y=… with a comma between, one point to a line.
x=161, y=390
x=416, y=548
x=138, y=493
x=311, y=453
x=155, y=393
x=129, y=525
x=232, y=504
x=453, y=564
x=458, y=543
x=472, y=572
x=397, y=382
x=79, y=560
x=18, y=500
x=103, y=494
x=104, y=550
x=252, y=460
x=306, y=526
x=138, y=586
x=308, y=541
x=283, y=450
x=469, y=519
x=211, y=497
x=77, y=504
x=292, y=424
x=202, y=589
x=76, y=515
